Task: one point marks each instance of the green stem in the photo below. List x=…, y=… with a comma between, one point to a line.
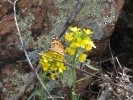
x=74, y=77
x=73, y=84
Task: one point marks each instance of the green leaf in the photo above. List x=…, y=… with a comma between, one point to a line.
x=52, y=84
x=91, y=67
x=33, y=94
x=87, y=63
x=84, y=78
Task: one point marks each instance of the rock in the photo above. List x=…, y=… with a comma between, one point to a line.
x=38, y=20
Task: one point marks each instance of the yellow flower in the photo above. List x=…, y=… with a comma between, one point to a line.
x=91, y=43
x=79, y=40
x=53, y=76
x=73, y=45
x=46, y=66
x=82, y=58
x=52, y=61
x=70, y=51
x=74, y=29
x=87, y=31
x=62, y=68
x=69, y=36
x=88, y=47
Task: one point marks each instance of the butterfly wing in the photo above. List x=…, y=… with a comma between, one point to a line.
x=57, y=46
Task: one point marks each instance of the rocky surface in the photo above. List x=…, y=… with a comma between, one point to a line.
x=40, y=19
x=41, y=24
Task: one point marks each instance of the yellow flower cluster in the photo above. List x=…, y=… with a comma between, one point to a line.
x=79, y=38
x=52, y=62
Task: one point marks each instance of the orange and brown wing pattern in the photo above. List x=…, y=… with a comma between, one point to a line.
x=57, y=46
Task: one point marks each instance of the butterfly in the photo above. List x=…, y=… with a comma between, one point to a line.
x=57, y=46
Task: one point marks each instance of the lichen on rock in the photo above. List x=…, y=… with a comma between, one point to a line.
x=25, y=27
x=91, y=9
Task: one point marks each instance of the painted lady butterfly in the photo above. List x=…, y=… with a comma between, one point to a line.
x=57, y=46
